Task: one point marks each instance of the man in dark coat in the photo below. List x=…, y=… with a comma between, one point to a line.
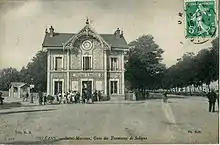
x=1, y=99
x=45, y=99
x=95, y=94
x=212, y=96
x=40, y=98
x=84, y=95
x=99, y=96
x=32, y=98
x=77, y=97
x=217, y=98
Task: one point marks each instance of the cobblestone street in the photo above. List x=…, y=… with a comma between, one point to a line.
x=181, y=120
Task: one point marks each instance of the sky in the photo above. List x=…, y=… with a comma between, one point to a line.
x=23, y=24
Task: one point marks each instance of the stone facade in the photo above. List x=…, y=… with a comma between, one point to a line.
x=82, y=50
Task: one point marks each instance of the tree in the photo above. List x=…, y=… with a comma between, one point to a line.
x=36, y=71
x=144, y=68
x=7, y=76
x=24, y=75
x=214, y=52
x=180, y=74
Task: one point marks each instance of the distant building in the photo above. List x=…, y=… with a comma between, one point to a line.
x=86, y=59
x=18, y=89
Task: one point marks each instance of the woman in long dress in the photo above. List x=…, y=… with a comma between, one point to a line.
x=60, y=97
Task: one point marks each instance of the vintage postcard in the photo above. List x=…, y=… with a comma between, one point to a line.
x=109, y=72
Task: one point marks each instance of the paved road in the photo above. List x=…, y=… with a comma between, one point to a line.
x=181, y=120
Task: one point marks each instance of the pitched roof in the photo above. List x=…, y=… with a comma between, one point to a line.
x=59, y=38
x=18, y=84
x=114, y=41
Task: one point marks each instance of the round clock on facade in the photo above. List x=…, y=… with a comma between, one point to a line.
x=87, y=45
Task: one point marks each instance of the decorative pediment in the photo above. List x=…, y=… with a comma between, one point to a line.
x=86, y=33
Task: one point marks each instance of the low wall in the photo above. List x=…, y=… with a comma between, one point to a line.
x=130, y=96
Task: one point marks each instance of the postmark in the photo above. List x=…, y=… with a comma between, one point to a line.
x=200, y=19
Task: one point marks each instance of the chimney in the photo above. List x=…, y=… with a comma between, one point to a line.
x=87, y=21
x=121, y=35
x=46, y=31
x=117, y=32
x=51, y=31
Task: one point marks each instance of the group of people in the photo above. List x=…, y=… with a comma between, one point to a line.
x=88, y=97
x=71, y=97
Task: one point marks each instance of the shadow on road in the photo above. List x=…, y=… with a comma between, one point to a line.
x=24, y=111
x=126, y=103
x=7, y=105
x=169, y=97
x=10, y=105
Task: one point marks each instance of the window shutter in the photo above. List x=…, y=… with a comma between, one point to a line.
x=117, y=66
x=55, y=65
x=111, y=64
x=83, y=63
x=87, y=63
x=90, y=63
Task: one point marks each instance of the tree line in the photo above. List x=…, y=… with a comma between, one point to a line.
x=145, y=71
x=194, y=70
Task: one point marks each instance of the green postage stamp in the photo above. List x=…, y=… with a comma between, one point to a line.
x=200, y=18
